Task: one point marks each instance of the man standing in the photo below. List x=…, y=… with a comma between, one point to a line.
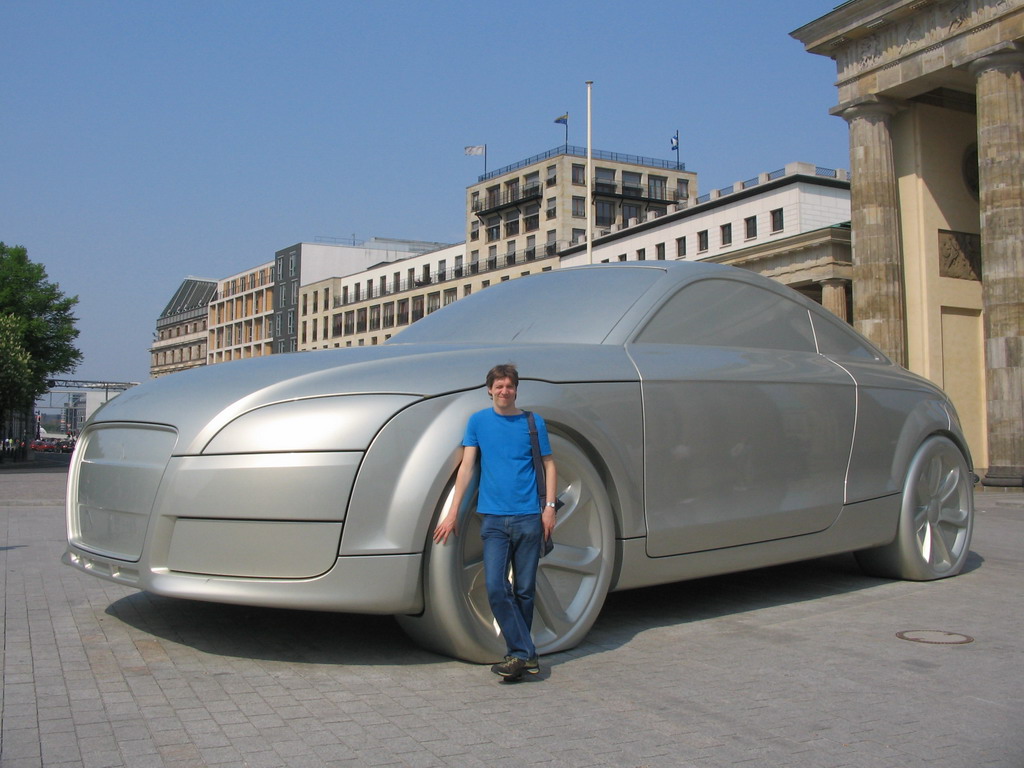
x=513, y=519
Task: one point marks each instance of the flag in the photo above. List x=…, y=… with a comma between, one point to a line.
x=564, y=119
x=675, y=141
x=477, y=150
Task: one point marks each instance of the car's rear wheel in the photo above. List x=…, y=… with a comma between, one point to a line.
x=936, y=520
x=572, y=581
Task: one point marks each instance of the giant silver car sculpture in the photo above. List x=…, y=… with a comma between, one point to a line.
x=704, y=420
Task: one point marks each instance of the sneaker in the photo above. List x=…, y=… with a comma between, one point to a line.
x=510, y=669
x=532, y=665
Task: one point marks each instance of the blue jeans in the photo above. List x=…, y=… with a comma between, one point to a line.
x=512, y=540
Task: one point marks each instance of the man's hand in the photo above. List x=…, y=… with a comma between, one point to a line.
x=547, y=520
x=445, y=528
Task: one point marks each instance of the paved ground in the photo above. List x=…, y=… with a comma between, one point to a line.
x=796, y=666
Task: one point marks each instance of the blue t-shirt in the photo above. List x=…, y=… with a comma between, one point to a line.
x=508, y=481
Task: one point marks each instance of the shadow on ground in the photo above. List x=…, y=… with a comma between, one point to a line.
x=336, y=638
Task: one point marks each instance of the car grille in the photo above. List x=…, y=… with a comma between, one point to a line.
x=113, y=485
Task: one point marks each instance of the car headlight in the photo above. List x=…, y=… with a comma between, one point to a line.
x=338, y=423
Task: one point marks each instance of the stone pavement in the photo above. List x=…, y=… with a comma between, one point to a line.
x=797, y=666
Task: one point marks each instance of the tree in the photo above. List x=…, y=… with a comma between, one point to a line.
x=40, y=324
x=15, y=369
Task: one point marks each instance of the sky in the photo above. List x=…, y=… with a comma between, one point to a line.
x=144, y=142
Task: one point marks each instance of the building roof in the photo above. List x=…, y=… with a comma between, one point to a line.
x=193, y=293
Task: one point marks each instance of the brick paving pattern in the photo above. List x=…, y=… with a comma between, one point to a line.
x=795, y=666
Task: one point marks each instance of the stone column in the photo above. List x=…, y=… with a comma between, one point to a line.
x=1000, y=95
x=833, y=297
x=878, y=292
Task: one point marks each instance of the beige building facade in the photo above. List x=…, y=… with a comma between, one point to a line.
x=241, y=316
x=370, y=307
x=181, y=330
x=538, y=206
x=933, y=92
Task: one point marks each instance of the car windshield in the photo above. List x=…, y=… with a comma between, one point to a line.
x=571, y=306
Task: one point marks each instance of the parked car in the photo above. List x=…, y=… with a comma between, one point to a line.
x=703, y=419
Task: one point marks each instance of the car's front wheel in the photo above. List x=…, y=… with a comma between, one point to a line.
x=572, y=581
x=936, y=520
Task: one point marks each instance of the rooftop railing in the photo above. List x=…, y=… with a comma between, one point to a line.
x=570, y=149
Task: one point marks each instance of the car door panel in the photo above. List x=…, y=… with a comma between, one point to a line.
x=741, y=445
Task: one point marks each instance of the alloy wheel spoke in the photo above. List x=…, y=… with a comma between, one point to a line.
x=949, y=487
x=941, y=554
x=549, y=607
x=585, y=561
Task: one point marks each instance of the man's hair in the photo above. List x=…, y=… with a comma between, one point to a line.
x=503, y=371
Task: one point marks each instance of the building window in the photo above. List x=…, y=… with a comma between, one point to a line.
x=682, y=189
x=681, y=247
x=579, y=235
x=632, y=184
x=605, y=213
x=777, y=220
x=702, y=240
x=579, y=207
x=531, y=219
x=630, y=211
x=726, y=233
x=493, y=228
x=551, y=210
x=512, y=224
x=659, y=250
x=656, y=187
x=474, y=230
x=750, y=227
x=552, y=175
x=579, y=174
x=641, y=254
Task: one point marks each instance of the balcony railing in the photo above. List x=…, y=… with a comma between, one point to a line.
x=656, y=193
x=439, y=277
x=491, y=203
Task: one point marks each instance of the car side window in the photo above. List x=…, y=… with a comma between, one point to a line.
x=726, y=313
x=835, y=339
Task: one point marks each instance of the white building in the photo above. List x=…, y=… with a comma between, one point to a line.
x=787, y=224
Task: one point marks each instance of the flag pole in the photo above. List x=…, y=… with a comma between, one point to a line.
x=590, y=179
x=485, y=159
x=567, y=131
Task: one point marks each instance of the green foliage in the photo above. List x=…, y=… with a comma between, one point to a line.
x=15, y=366
x=39, y=329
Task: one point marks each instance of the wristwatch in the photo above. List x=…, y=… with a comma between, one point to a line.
x=550, y=504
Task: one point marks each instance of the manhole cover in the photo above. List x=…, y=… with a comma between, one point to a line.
x=934, y=637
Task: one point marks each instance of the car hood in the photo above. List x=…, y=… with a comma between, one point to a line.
x=193, y=401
